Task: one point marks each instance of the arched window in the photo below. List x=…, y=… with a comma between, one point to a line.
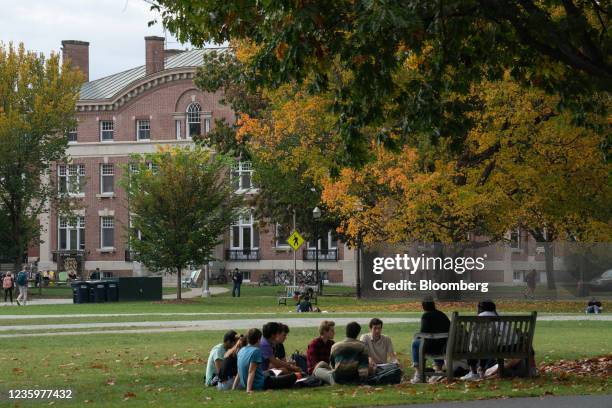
x=194, y=126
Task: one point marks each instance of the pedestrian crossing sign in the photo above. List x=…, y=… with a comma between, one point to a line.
x=295, y=240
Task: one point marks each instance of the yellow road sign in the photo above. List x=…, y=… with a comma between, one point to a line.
x=295, y=240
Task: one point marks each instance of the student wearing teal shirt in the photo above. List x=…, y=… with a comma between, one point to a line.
x=217, y=353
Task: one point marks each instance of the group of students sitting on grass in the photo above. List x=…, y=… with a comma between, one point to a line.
x=258, y=360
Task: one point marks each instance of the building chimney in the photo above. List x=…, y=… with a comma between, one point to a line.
x=77, y=52
x=154, y=47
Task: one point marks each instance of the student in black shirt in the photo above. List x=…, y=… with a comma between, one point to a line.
x=432, y=321
x=228, y=374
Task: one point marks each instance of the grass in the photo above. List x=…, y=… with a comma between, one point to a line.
x=263, y=299
x=166, y=369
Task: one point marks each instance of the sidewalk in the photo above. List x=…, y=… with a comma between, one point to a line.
x=186, y=294
x=582, y=401
x=202, y=325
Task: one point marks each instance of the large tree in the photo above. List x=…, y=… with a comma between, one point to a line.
x=37, y=107
x=558, y=45
x=180, y=202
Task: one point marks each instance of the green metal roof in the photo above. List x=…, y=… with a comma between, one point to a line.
x=107, y=87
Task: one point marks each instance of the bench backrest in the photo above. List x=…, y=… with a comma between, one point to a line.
x=483, y=336
x=291, y=289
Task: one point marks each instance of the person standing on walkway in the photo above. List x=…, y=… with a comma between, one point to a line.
x=531, y=279
x=22, y=284
x=237, y=279
x=7, y=285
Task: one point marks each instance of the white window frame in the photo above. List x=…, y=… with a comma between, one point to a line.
x=107, y=170
x=104, y=224
x=206, y=125
x=75, y=132
x=194, y=111
x=245, y=220
x=66, y=172
x=519, y=244
x=110, y=128
x=177, y=128
x=238, y=170
x=280, y=244
x=329, y=242
x=78, y=228
x=140, y=127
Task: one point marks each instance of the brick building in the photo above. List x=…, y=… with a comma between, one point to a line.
x=135, y=111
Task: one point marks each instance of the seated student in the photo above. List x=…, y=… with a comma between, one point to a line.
x=319, y=348
x=279, y=346
x=478, y=367
x=229, y=368
x=432, y=321
x=215, y=358
x=380, y=347
x=272, y=335
x=348, y=360
x=250, y=373
x=594, y=306
x=304, y=305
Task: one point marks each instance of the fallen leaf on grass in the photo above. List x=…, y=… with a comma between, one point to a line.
x=128, y=395
x=110, y=381
x=18, y=370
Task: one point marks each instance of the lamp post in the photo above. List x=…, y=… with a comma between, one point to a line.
x=316, y=214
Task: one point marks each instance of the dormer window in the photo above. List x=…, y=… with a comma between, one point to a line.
x=194, y=122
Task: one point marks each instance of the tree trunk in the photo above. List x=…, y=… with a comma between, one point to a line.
x=178, y=283
x=550, y=270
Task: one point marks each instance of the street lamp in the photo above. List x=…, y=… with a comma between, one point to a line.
x=316, y=214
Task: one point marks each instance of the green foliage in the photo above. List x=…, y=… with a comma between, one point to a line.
x=37, y=107
x=181, y=202
x=559, y=46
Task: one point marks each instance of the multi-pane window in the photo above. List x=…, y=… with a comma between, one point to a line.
x=72, y=135
x=245, y=232
x=71, y=178
x=206, y=125
x=107, y=130
x=143, y=129
x=282, y=235
x=177, y=126
x=327, y=240
x=242, y=176
x=194, y=125
x=71, y=234
x=107, y=232
x=107, y=178
x=515, y=239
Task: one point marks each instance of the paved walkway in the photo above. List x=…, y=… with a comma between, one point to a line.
x=186, y=294
x=582, y=401
x=209, y=325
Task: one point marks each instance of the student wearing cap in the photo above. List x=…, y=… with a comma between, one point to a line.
x=215, y=358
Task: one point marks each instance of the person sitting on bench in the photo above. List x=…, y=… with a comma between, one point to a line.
x=432, y=321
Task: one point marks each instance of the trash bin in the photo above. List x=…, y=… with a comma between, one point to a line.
x=112, y=290
x=97, y=291
x=80, y=292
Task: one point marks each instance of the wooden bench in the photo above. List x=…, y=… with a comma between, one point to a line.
x=482, y=337
x=290, y=290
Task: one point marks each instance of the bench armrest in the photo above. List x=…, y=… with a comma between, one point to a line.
x=431, y=336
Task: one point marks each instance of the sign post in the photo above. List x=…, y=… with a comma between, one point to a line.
x=295, y=241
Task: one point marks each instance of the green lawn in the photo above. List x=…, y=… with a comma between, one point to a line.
x=263, y=299
x=166, y=369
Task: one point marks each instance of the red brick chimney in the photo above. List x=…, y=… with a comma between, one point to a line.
x=77, y=52
x=154, y=47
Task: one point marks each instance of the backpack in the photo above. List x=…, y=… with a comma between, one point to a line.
x=389, y=374
x=7, y=282
x=300, y=361
x=22, y=278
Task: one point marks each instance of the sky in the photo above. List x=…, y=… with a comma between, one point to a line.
x=115, y=29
